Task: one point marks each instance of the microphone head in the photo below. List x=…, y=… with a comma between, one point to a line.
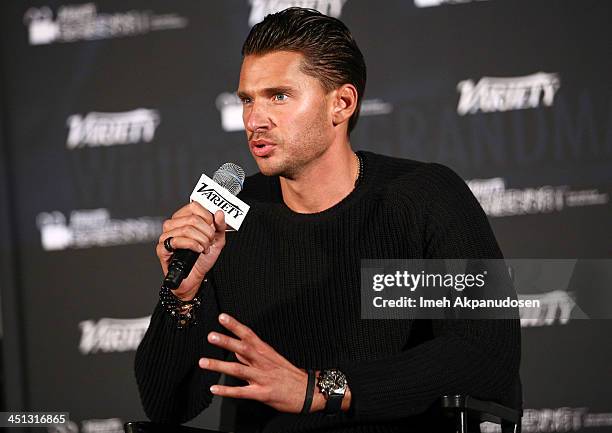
x=230, y=176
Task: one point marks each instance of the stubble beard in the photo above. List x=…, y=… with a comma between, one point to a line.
x=299, y=155
x=298, y=152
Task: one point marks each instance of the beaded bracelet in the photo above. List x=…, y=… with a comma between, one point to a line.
x=182, y=311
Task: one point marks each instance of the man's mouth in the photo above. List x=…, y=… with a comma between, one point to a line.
x=261, y=148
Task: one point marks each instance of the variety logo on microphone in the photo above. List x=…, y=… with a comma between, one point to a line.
x=223, y=204
x=261, y=8
x=83, y=22
x=110, y=129
x=214, y=197
x=504, y=94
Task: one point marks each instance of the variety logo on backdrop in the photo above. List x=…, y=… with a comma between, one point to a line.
x=230, y=107
x=430, y=3
x=112, y=335
x=94, y=228
x=109, y=129
x=504, y=94
x=109, y=425
x=261, y=8
x=80, y=22
x=497, y=201
x=560, y=419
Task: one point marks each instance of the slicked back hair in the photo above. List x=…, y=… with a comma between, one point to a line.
x=330, y=53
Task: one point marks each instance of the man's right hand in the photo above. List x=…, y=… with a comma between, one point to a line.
x=195, y=228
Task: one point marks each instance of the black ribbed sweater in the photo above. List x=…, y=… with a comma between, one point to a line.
x=295, y=280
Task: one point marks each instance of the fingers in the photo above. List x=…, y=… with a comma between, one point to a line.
x=228, y=343
x=193, y=220
x=191, y=227
x=244, y=351
x=194, y=208
x=237, y=328
x=182, y=242
x=197, y=217
x=242, y=359
x=220, y=228
x=234, y=369
x=257, y=350
x=236, y=391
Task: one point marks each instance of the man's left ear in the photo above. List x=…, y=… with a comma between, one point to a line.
x=344, y=103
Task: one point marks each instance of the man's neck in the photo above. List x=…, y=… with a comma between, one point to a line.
x=323, y=183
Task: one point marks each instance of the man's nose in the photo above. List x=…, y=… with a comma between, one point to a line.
x=256, y=118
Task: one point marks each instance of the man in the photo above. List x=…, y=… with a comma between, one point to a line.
x=288, y=283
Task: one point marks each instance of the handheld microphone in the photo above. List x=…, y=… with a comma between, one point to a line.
x=214, y=194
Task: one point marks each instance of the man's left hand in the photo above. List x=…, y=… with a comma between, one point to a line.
x=272, y=379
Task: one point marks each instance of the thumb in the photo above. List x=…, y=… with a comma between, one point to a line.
x=220, y=226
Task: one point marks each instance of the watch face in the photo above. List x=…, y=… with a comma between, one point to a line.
x=332, y=381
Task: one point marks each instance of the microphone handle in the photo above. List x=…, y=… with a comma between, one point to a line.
x=180, y=266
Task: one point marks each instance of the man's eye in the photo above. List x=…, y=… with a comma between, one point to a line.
x=245, y=100
x=280, y=97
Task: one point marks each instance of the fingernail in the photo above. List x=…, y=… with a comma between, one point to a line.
x=213, y=389
x=214, y=337
x=223, y=318
x=204, y=362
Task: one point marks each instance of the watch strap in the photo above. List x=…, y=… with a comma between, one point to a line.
x=333, y=404
x=309, y=392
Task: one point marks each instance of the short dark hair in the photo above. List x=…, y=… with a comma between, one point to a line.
x=330, y=52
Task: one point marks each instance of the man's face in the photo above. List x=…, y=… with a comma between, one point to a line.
x=286, y=113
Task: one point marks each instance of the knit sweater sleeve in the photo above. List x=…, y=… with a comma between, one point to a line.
x=173, y=388
x=476, y=357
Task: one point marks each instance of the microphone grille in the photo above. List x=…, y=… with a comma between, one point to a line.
x=230, y=176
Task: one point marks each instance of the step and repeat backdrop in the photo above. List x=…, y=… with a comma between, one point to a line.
x=111, y=110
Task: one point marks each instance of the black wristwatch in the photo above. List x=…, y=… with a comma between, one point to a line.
x=332, y=384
